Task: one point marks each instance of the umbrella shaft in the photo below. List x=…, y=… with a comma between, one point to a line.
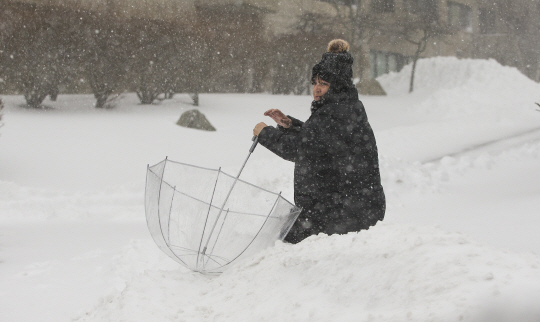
x=255, y=141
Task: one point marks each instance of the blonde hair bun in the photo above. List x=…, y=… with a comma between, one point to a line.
x=338, y=46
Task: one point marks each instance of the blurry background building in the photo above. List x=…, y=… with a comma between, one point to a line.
x=162, y=47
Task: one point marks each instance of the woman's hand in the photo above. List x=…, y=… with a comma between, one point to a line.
x=258, y=128
x=279, y=117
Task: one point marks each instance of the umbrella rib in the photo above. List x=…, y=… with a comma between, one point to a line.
x=195, y=253
x=231, y=176
x=169, y=223
x=254, y=237
x=202, y=201
x=210, y=258
x=206, y=220
x=225, y=201
x=217, y=237
x=159, y=217
x=194, y=166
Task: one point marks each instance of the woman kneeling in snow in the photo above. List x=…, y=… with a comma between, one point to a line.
x=336, y=174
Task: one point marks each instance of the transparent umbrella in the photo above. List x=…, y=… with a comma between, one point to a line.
x=206, y=219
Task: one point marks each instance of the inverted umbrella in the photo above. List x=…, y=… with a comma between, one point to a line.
x=206, y=219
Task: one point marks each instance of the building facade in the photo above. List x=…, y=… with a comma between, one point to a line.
x=501, y=29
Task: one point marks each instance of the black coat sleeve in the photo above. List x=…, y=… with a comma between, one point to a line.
x=282, y=141
x=295, y=123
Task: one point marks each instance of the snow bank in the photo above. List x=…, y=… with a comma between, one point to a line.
x=389, y=273
x=457, y=105
x=400, y=176
x=465, y=86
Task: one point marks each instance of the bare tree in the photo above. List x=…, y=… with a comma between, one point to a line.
x=232, y=42
x=105, y=56
x=419, y=30
x=295, y=54
x=37, y=55
x=193, y=67
x=146, y=61
x=358, y=24
x=31, y=63
x=11, y=22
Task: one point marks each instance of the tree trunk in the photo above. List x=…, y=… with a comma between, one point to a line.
x=411, y=83
x=100, y=87
x=537, y=78
x=53, y=95
x=147, y=96
x=101, y=98
x=422, y=44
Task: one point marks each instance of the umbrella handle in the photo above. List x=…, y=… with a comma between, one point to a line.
x=255, y=140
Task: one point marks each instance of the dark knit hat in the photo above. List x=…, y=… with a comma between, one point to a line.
x=335, y=67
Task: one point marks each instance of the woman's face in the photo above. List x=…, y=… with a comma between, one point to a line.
x=320, y=88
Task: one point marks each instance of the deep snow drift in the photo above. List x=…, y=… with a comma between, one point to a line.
x=459, y=160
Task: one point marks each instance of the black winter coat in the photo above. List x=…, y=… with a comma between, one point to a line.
x=336, y=177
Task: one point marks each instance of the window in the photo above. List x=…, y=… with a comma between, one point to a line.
x=382, y=5
x=428, y=8
x=383, y=62
x=460, y=16
x=486, y=21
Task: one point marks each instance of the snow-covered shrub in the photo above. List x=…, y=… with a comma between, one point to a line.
x=37, y=58
x=112, y=101
x=105, y=58
x=148, y=90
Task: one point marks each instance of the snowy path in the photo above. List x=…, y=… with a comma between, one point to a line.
x=497, y=145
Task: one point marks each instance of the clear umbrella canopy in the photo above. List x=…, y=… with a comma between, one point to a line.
x=206, y=219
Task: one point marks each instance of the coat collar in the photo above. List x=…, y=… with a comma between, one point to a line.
x=351, y=94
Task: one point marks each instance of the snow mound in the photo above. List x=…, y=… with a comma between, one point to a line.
x=384, y=274
x=401, y=176
x=465, y=85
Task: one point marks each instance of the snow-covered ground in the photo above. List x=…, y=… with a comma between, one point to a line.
x=460, y=166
